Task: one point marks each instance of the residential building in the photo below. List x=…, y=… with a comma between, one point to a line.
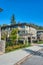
x=40, y=34
x=25, y=31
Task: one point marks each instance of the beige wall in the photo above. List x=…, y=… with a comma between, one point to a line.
x=41, y=37
x=28, y=30
x=0, y=33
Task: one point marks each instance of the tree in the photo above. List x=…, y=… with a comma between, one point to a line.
x=13, y=19
x=4, y=35
x=1, y=9
x=13, y=35
x=4, y=25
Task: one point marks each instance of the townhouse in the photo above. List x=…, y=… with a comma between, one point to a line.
x=26, y=32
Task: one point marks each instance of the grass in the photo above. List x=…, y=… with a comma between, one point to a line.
x=40, y=42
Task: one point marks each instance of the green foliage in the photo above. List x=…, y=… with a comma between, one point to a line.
x=9, y=43
x=1, y=9
x=13, y=20
x=13, y=35
x=8, y=49
x=16, y=47
x=4, y=35
x=40, y=42
x=4, y=25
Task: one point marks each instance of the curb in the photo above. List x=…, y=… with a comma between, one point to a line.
x=23, y=60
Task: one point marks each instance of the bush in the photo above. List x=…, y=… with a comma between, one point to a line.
x=14, y=47
x=9, y=44
x=9, y=48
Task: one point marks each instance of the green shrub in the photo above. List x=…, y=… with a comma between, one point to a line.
x=14, y=47
x=9, y=48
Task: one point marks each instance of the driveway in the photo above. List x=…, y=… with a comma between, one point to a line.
x=35, y=59
x=15, y=56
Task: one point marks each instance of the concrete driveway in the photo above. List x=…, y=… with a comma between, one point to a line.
x=36, y=59
x=15, y=56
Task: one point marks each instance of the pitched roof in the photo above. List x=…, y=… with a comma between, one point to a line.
x=21, y=24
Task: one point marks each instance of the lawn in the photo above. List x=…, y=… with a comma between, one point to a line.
x=40, y=42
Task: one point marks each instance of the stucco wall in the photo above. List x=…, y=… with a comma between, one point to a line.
x=2, y=46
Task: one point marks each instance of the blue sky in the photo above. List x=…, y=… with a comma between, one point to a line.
x=30, y=11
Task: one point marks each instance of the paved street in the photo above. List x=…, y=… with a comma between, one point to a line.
x=35, y=59
x=15, y=56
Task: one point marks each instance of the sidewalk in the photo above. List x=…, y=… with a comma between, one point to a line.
x=15, y=56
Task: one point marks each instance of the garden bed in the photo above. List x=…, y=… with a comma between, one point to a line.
x=15, y=47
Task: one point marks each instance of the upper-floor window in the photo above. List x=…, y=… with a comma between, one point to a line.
x=22, y=26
